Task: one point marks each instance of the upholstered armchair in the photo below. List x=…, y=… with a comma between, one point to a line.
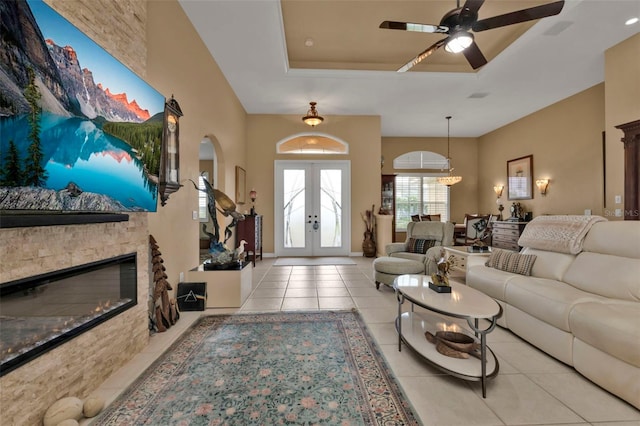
x=423, y=243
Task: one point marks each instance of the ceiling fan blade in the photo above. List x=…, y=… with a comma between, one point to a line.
x=415, y=61
x=410, y=26
x=516, y=17
x=474, y=56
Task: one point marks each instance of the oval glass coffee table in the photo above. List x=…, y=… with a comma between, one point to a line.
x=463, y=302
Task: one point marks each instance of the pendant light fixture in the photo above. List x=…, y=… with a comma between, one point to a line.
x=449, y=180
x=312, y=118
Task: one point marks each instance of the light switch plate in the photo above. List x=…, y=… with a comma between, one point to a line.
x=618, y=199
x=618, y=212
x=194, y=215
x=587, y=212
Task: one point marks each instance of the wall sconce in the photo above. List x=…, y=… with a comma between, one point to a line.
x=253, y=195
x=498, y=190
x=542, y=185
x=169, y=179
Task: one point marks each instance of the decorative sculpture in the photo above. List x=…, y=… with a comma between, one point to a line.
x=221, y=256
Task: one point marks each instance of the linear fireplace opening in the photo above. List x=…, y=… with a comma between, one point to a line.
x=42, y=312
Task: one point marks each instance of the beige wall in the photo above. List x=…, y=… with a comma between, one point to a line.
x=565, y=140
x=362, y=133
x=622, y=104
x=464, y=159
x=178, y=63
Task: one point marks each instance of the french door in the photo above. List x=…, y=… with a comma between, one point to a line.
x=312, y=208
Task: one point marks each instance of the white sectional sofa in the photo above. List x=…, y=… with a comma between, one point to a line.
x=582, y=306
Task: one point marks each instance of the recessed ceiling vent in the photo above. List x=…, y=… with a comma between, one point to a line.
x=478, y=95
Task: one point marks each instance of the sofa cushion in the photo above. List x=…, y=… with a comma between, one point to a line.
x=550, y=301
x=549, y=264
x=613, y=328
x=420, y=245
x=410, y=256
x=490, y=281
x=617, y=238
x=606, y=275
x=510, y=261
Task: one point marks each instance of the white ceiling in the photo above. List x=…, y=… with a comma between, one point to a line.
x=247, y=40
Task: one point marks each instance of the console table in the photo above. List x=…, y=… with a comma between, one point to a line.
x=250, y=230
x=226, y=288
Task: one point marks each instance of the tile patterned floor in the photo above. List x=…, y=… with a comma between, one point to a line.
x=531, y=388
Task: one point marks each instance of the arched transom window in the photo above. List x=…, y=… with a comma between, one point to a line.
x=312, y=143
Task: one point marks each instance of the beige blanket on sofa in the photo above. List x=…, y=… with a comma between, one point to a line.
x=563, y=234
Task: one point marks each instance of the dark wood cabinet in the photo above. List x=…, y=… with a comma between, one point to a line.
x=505, y=234
x=250, y=230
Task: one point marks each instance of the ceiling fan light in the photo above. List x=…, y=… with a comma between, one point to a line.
x=459, y=42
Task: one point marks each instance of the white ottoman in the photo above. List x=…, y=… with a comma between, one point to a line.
x=386, y=269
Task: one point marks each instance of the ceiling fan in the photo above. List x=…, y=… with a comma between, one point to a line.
x=458, y=24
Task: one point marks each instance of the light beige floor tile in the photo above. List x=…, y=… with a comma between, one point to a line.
x=528, y=359
x=447, y=401
x=301, y=292
x=332, y=291
x=273, y=284
x=365, y=291
x=269, y=304
x=384, y=333
x=591, y=402
x=328, y=275
x=374, y=302
x=330, y=283
x=299, y=303
x=268, y=292
x=301, y=284
x=517, y=400
x=302, y=277
x=379, y=315
x=335, y=303
x=275, y=277
x=359, y=283
x=406, y=363
x=632, y=423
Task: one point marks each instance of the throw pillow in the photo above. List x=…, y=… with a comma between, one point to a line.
x=420, y=245
x=511, y=261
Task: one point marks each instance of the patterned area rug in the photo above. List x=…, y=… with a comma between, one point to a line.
x=267, y=369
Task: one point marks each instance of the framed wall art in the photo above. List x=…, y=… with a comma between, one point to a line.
x=241, y=185
x=520, y=178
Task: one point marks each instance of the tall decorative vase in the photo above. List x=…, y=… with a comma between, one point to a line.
x=368, y=245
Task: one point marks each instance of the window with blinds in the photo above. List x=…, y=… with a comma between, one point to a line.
x=419, y=194
x=202, y=198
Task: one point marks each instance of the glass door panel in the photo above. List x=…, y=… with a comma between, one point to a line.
x=331, y=208
x=312, y=210
x=293, y=208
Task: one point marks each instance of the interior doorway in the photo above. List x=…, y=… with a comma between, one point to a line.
x=312, y=208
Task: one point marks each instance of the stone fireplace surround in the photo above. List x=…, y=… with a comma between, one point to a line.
x=79, y=366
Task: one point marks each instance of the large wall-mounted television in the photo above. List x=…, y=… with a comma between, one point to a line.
x=79, y=131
